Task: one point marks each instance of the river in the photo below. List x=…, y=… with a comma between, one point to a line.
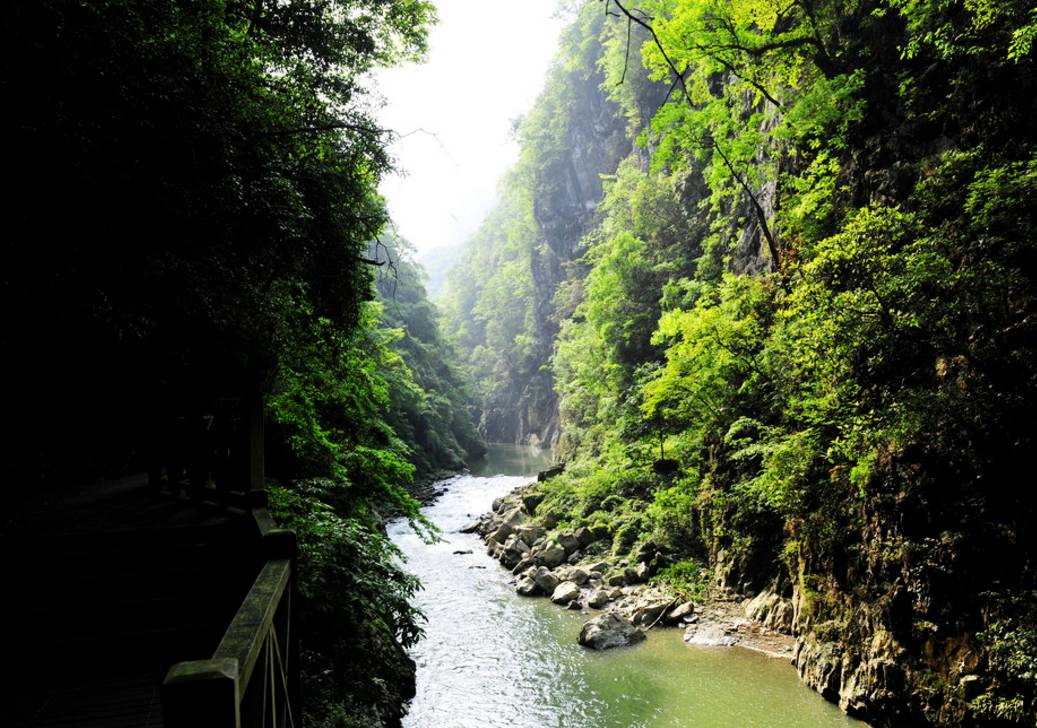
x=493, y=659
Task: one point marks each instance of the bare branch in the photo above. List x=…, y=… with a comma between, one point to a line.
x=734, y=72
x=757, y=207
x=658, y=44
x=626, y=55
x=331, y=126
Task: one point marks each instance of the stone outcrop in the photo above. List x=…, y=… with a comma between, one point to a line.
x=565, y=593
x=609, y=630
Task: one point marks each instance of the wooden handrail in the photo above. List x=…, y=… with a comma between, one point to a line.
x=244, y=639
x=228, y=691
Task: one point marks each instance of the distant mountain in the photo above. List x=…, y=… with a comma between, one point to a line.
x=437, y=262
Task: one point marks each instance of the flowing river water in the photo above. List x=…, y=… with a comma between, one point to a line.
x=493, y=659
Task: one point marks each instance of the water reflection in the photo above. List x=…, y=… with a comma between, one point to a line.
x=518, y=460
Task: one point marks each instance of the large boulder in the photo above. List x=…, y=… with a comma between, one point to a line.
x=552, y=555
x=646, y=552
x=584, y=536
x=551, y=472
x=609, y=630
x=568, y=541
x=508, y=522
x=529, y=533
x=526, y=562
x=565, y=593
x=491, y=546
x=531, y=500
x=546, y=580
x=649, y=608
x=680, y=612
x=527, y=587
x=636, y=574
x=578, y=575
x=549, y=519
x=514, y=551
x=598, y=599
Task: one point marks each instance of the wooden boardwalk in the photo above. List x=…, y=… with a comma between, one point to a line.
x=108, y=585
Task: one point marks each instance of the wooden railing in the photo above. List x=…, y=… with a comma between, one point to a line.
x=252, y=679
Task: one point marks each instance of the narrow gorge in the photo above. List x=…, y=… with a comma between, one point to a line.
x=762, y=281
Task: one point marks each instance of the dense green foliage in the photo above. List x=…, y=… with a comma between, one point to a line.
x=811, y=285
x=430, y=409
x=195, y=192
x=357, y=602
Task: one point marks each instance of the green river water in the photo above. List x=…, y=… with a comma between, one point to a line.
x=491, y=658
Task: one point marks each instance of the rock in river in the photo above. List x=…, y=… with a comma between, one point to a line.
x=471, y=527
x=527, y=587
x=609, y=630
x=546, y=580
x=565, y=592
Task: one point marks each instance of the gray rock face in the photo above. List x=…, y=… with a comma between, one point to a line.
x=565, y=592
x=609, y=630
x=770, y=610
x=471, y=527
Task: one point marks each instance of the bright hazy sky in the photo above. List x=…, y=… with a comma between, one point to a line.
x=486, y=64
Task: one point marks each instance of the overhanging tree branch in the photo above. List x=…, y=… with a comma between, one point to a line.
x=680, y=80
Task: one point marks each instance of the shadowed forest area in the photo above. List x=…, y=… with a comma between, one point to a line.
x=192, y=223
x=762, y=281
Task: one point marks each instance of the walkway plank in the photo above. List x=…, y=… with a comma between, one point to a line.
x=110, y=584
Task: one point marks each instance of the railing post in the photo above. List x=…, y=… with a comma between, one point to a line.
x=282, y=543
x=256, y=440
x=202, y=694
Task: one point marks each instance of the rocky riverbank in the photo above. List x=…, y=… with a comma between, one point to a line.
x=575, y=571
